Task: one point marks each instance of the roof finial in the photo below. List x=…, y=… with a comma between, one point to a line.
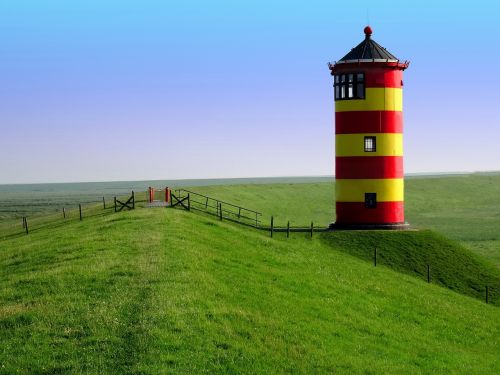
x=368, y=31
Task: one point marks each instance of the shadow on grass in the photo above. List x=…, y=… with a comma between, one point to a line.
x=417, y=252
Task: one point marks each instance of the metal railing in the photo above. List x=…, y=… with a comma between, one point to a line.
x=221, y=209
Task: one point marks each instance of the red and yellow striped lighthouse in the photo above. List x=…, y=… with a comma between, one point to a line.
x=368, y=89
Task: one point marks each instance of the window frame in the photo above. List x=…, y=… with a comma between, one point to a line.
x=349, y=82
x=373, y=138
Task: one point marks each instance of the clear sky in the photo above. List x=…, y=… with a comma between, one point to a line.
x=100, y=90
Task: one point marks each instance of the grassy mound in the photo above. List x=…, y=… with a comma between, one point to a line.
x=168, y=291
x=464, y=208
x=451, y=265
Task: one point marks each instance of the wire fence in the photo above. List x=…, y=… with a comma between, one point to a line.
x=24, y=224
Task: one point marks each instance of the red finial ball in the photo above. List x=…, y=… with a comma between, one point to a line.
x=368, y=31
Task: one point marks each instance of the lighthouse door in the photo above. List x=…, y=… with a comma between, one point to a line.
x=370, y=200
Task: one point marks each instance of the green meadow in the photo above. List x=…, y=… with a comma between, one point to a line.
x=160, y=290
x=465, y=208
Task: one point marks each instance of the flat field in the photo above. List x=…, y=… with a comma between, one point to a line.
x=33, y=199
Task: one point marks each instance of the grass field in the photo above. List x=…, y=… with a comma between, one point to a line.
x=465, y=208
x=33, y=199
x=169, y=291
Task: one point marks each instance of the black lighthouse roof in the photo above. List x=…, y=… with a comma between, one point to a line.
x=368, y=50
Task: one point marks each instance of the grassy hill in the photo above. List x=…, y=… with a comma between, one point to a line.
x=465, y=208
x=450, y=265
x=168, y=291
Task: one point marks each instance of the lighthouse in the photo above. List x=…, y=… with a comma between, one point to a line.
x=369, y=180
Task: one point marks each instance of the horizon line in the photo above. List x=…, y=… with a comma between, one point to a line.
x=413, y=174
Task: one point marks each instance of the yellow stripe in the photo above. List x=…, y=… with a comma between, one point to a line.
x=387, y=189
x=387, y=144
x=377, y=99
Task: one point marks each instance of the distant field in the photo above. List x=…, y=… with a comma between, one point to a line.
x=32, y=199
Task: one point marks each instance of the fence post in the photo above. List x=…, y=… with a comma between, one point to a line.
x=189, y=203
x=133, y=200
x=80, y=208
x=486, y=285
x=26, y=224
x=239, y=213
x=115, y=204
x=64, y=213
x=312, y=229
x=220, y=211
x=206, y=203
x=103, y=203
x=272, y=226
x=288, y=229
x=375, y=258
x=256, y=219
x=428, y=273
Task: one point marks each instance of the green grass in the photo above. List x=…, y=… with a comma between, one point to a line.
x=32, y=199
x=168, y=291
x=465, y=208
x=451, y=265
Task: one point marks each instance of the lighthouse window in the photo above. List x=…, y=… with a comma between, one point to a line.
x=370, y=144
x=360, y=90
x=349, y=86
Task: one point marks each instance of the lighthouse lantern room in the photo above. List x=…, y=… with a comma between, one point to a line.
x=368, y=91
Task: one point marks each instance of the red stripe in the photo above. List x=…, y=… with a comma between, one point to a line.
x=380, y=77
x=368, y=122
x=369, y=167
x=376, y=76
x=357, y=213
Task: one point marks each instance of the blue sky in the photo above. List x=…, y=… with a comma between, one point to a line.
x=126, y=90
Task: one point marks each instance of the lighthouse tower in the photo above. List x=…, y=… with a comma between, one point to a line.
x=368, y=89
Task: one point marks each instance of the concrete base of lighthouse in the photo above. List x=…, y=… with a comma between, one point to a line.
x=386, y=226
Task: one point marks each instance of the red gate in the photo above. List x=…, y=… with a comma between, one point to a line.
x=164, y=194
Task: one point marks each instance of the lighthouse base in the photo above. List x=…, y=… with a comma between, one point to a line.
x=385, y=226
